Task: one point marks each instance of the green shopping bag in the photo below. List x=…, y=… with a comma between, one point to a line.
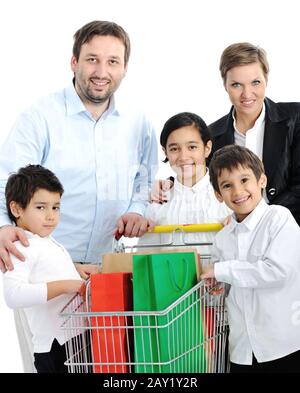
x=173, y=340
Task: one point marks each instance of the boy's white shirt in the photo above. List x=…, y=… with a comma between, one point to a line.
x=26, y=287
x=260, y=258
x=187, y=205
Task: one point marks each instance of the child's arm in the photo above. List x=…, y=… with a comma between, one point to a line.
x=19, y=292
x=272, y=265
x=57, y=288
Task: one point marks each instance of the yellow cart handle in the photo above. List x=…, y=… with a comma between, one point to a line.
x=213, y=227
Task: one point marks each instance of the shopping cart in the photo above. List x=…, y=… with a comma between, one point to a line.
x=194, y=330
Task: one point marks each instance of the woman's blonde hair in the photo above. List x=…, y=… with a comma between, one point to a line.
x=243, y=53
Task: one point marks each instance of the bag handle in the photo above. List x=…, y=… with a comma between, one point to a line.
x=173, y=276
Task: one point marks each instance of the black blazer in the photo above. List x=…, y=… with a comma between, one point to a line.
x=281, y=151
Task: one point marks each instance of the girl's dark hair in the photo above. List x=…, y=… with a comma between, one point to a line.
x=231, y=156
x=184, y=119
x=21, y=186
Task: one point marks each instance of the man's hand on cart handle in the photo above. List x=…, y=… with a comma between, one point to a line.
x=132, y=225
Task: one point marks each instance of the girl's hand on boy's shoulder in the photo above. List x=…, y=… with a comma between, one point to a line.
x=159, y=191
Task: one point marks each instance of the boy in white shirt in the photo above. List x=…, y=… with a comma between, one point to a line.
x=47, y=279
x=258, y=254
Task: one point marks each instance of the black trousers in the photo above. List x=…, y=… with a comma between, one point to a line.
x=53, y=361
x=287, y=364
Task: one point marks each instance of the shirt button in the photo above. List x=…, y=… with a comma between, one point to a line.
x=272, y=191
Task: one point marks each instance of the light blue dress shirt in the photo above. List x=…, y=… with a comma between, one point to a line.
x=106, y=166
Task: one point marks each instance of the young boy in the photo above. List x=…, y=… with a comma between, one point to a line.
x=258, y=254
x=47, y=279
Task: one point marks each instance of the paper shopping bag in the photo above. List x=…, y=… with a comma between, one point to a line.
x=115, y=262
x=111, y=342
x=172, y=341
x=122, y=261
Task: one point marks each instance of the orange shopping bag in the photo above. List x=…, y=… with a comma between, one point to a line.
x=110, y=338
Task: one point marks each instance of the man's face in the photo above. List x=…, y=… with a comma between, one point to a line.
x=99, y=69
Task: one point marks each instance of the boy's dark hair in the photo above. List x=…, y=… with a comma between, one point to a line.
x=184, y=119
x=101, y=28
x=21, y=186
x=231, y=156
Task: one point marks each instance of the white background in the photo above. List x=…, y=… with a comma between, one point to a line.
x=176, y=46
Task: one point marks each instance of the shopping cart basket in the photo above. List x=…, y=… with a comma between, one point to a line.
x=194, y=328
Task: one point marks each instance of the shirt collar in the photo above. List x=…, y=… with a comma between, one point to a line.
x=252, y=219
x=31, y=235
x=200, y=185
x=74, y=105
x=258, y=123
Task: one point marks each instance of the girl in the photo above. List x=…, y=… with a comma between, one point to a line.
x=186, y=142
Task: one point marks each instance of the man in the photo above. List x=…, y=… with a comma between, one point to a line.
x=104, y=154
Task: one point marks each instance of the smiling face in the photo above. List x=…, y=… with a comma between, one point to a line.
x=240, y=190
x=99, y=69
x=187, y=154
x=246, y=87
x=41, y=215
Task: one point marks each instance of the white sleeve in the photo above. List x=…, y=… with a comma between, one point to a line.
x=271, y=269
x=18, y=291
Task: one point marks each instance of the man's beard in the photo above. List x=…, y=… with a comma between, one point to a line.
x=97, y=99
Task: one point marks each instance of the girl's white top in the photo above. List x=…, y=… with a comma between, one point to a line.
x=187, y=205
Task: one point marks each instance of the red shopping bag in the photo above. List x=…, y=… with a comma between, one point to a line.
x=110, y=336
x=210, y=317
